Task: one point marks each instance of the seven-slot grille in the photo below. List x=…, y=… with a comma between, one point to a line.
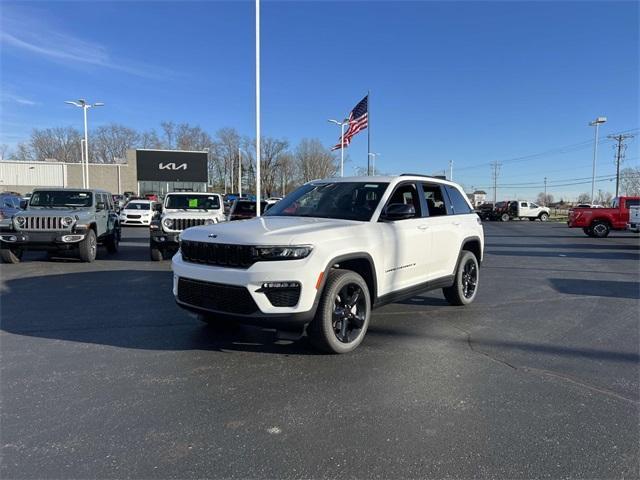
x=43, y=223
x=216, y=296
x=223, y=254
x=180, y=224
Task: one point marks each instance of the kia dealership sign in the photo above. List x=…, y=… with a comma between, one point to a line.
x=171, y=166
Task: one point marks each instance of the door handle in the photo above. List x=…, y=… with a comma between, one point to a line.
x=456, y=223
x=423, y=227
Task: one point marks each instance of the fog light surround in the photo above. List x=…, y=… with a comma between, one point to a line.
x=72, y=238
x=9, y=238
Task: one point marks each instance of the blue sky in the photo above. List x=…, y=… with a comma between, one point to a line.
x=471, y=82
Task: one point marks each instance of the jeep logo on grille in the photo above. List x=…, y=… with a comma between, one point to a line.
x=172, y=166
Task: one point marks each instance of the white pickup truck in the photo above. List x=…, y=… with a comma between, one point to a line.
x=634, y=218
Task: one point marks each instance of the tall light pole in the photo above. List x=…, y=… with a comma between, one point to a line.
x=341, y=125
x=258, y=108
x=85, y=106
x=373, y=156
x=451, y=170
x=239, y=172
x=595, y=123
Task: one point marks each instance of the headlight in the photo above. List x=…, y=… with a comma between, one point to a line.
x=20, y=221
x=67, y=221
x=167, y=222
x=283, y=253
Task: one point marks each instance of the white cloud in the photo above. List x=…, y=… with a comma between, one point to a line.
x=31, y=35
x=10, y=97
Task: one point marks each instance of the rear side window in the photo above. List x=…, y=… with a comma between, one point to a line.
x=435, y=200
x=458, y=203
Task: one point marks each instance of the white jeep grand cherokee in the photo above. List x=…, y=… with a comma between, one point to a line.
x=329, y=252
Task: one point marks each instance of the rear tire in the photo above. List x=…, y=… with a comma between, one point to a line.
x=88, y=247
x=465, y=285
x=600, y=229
x=11, y=255
x=156, y=254
x=343, y=313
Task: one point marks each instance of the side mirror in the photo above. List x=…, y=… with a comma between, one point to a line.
x=100, y=206
x=158, y=207
x=23, y=204
x=398, y=211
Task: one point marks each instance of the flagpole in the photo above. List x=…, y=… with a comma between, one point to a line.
x=368, y=132
x=258, y=108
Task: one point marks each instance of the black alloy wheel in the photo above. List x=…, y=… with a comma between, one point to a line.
x=349, y=312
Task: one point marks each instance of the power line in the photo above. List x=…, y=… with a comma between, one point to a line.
x=619, y=154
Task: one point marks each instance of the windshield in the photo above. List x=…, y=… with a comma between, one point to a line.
x=193, y=202
x=60, y=198
x=138, y=206
x=341, y=200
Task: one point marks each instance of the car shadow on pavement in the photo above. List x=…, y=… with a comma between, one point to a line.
x=587, y=255
x=127, y=309
x=597, y=288
x=600, y=246
x=535, y=348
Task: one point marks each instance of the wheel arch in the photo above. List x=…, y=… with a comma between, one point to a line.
x=474, y=245
x=600, y=219
x=359, y=262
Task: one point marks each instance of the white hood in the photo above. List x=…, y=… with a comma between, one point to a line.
x=273, y=231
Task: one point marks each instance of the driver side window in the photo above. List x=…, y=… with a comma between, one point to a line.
x=406, y=194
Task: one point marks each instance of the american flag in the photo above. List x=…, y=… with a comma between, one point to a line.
x=358, y=120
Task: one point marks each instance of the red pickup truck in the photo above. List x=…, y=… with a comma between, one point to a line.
x=598, y=222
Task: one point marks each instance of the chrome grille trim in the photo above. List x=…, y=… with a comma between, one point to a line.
x=180, y=224
x=40, y=224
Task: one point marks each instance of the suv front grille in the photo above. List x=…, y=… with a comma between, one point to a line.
x=180, y=224
x=240, y=256
x=43, y=223
x=216, y=296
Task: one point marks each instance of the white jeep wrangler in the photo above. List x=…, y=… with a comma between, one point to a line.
x=329, y=252
x=180, y=211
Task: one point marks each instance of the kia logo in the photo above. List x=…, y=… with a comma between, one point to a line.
x=172, y=166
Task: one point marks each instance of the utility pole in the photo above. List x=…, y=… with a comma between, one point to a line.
x=495, y=171
x=545, y=192
x=451, y=170
x=620, y=149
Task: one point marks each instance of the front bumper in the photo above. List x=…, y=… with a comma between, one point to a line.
x=304, y=271
x=41, y=240
x=162, y=239
x=135, y=221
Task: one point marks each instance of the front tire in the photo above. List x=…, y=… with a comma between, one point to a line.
x=156, y=254
x=465, y=285
x=504, y=217
x=11, y=255
x=113, y=244
x=600, y=229
x=544, y=217
x=343, y=313
x=88, y=247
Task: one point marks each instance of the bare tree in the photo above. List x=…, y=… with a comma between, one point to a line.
x=23, y=151
x=272, y=157
x=225, y=160
x=544, y=199
x=150, y=139
x=4, y=149
x=111, y=142
x=604, y=198
x=584, y=198
x=189, y=137
x=630, y=181
x=314, y=160
x=59, y=143
x=168, y=131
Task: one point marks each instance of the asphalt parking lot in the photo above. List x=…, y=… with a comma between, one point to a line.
x=104, y=377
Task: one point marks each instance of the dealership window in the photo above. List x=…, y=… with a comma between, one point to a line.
x=162, y=188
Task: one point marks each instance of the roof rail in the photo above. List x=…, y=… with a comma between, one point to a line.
x=439, y=177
